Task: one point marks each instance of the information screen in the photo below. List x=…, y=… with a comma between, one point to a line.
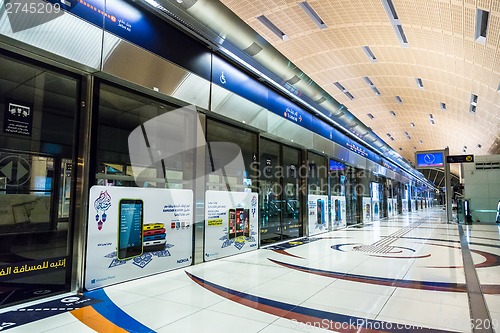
x=429, y=160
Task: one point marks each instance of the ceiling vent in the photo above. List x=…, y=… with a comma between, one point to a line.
x=253, y=49
x=294, y=79
x=321, y=100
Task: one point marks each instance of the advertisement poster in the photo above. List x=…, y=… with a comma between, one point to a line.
x=395, y=206
x=134, y=232
x=231, y=223
x=367, y=210
x=318, y=214
x=404, y=204
x=338, y=211
x=376, y=210
x=413, y=205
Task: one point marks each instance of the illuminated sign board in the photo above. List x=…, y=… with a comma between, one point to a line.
x=429, y=159
x=336, y=166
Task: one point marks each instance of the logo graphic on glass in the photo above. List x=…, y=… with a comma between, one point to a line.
x=130, y=228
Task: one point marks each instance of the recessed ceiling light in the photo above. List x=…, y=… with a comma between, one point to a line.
x=306, y=7
x=369, y=53
x=271, y=26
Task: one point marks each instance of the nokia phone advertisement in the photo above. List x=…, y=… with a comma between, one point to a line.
x=134, y=232
x=338, y=211
x=231, y=223
x=367, y=210
x=318, y=214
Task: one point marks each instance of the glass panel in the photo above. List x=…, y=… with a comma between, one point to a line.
x=317, y=176
x=354, y=206
x=241, y=180
x=270, y=192
x=291, y=206
x=36, y=149
x=121, y=112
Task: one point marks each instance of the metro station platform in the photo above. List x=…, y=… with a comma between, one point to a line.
x=410, y=273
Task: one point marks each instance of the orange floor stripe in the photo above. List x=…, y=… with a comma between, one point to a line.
x=93, y=319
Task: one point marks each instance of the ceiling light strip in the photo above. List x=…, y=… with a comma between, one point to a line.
x=306, y=7
x=271, y=26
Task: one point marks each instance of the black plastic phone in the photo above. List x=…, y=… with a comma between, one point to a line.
x=130, y=228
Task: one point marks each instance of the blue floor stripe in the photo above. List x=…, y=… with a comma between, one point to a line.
x=114, y=314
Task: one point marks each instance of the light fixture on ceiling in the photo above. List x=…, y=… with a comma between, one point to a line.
x=369, y=53
x=306, y=7
x=272, y=27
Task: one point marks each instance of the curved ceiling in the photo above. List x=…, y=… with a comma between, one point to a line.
x=441, y=50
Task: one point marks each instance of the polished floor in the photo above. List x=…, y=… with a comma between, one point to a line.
x=402, y=274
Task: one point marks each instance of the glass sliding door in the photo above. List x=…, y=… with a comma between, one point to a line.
x=280, y=192
x=271, y=194
x=36, y=180
x=292, y=225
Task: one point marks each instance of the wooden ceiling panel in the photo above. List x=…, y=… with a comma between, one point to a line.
x=442, y=52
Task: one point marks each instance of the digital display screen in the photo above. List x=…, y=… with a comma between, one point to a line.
x=130, y=224
x=336, y=166
x=429, y=160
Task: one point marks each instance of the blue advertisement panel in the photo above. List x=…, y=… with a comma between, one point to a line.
x=429, y=159
x=229, y=77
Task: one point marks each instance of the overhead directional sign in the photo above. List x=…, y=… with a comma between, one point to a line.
x=460, y=158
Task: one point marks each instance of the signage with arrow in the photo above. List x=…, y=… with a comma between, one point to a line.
x=460, y=158
x=15, y=169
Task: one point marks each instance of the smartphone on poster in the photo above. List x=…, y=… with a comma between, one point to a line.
x=320, y=208
x=232, y=224
x=240, y=220
x=130, y=227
